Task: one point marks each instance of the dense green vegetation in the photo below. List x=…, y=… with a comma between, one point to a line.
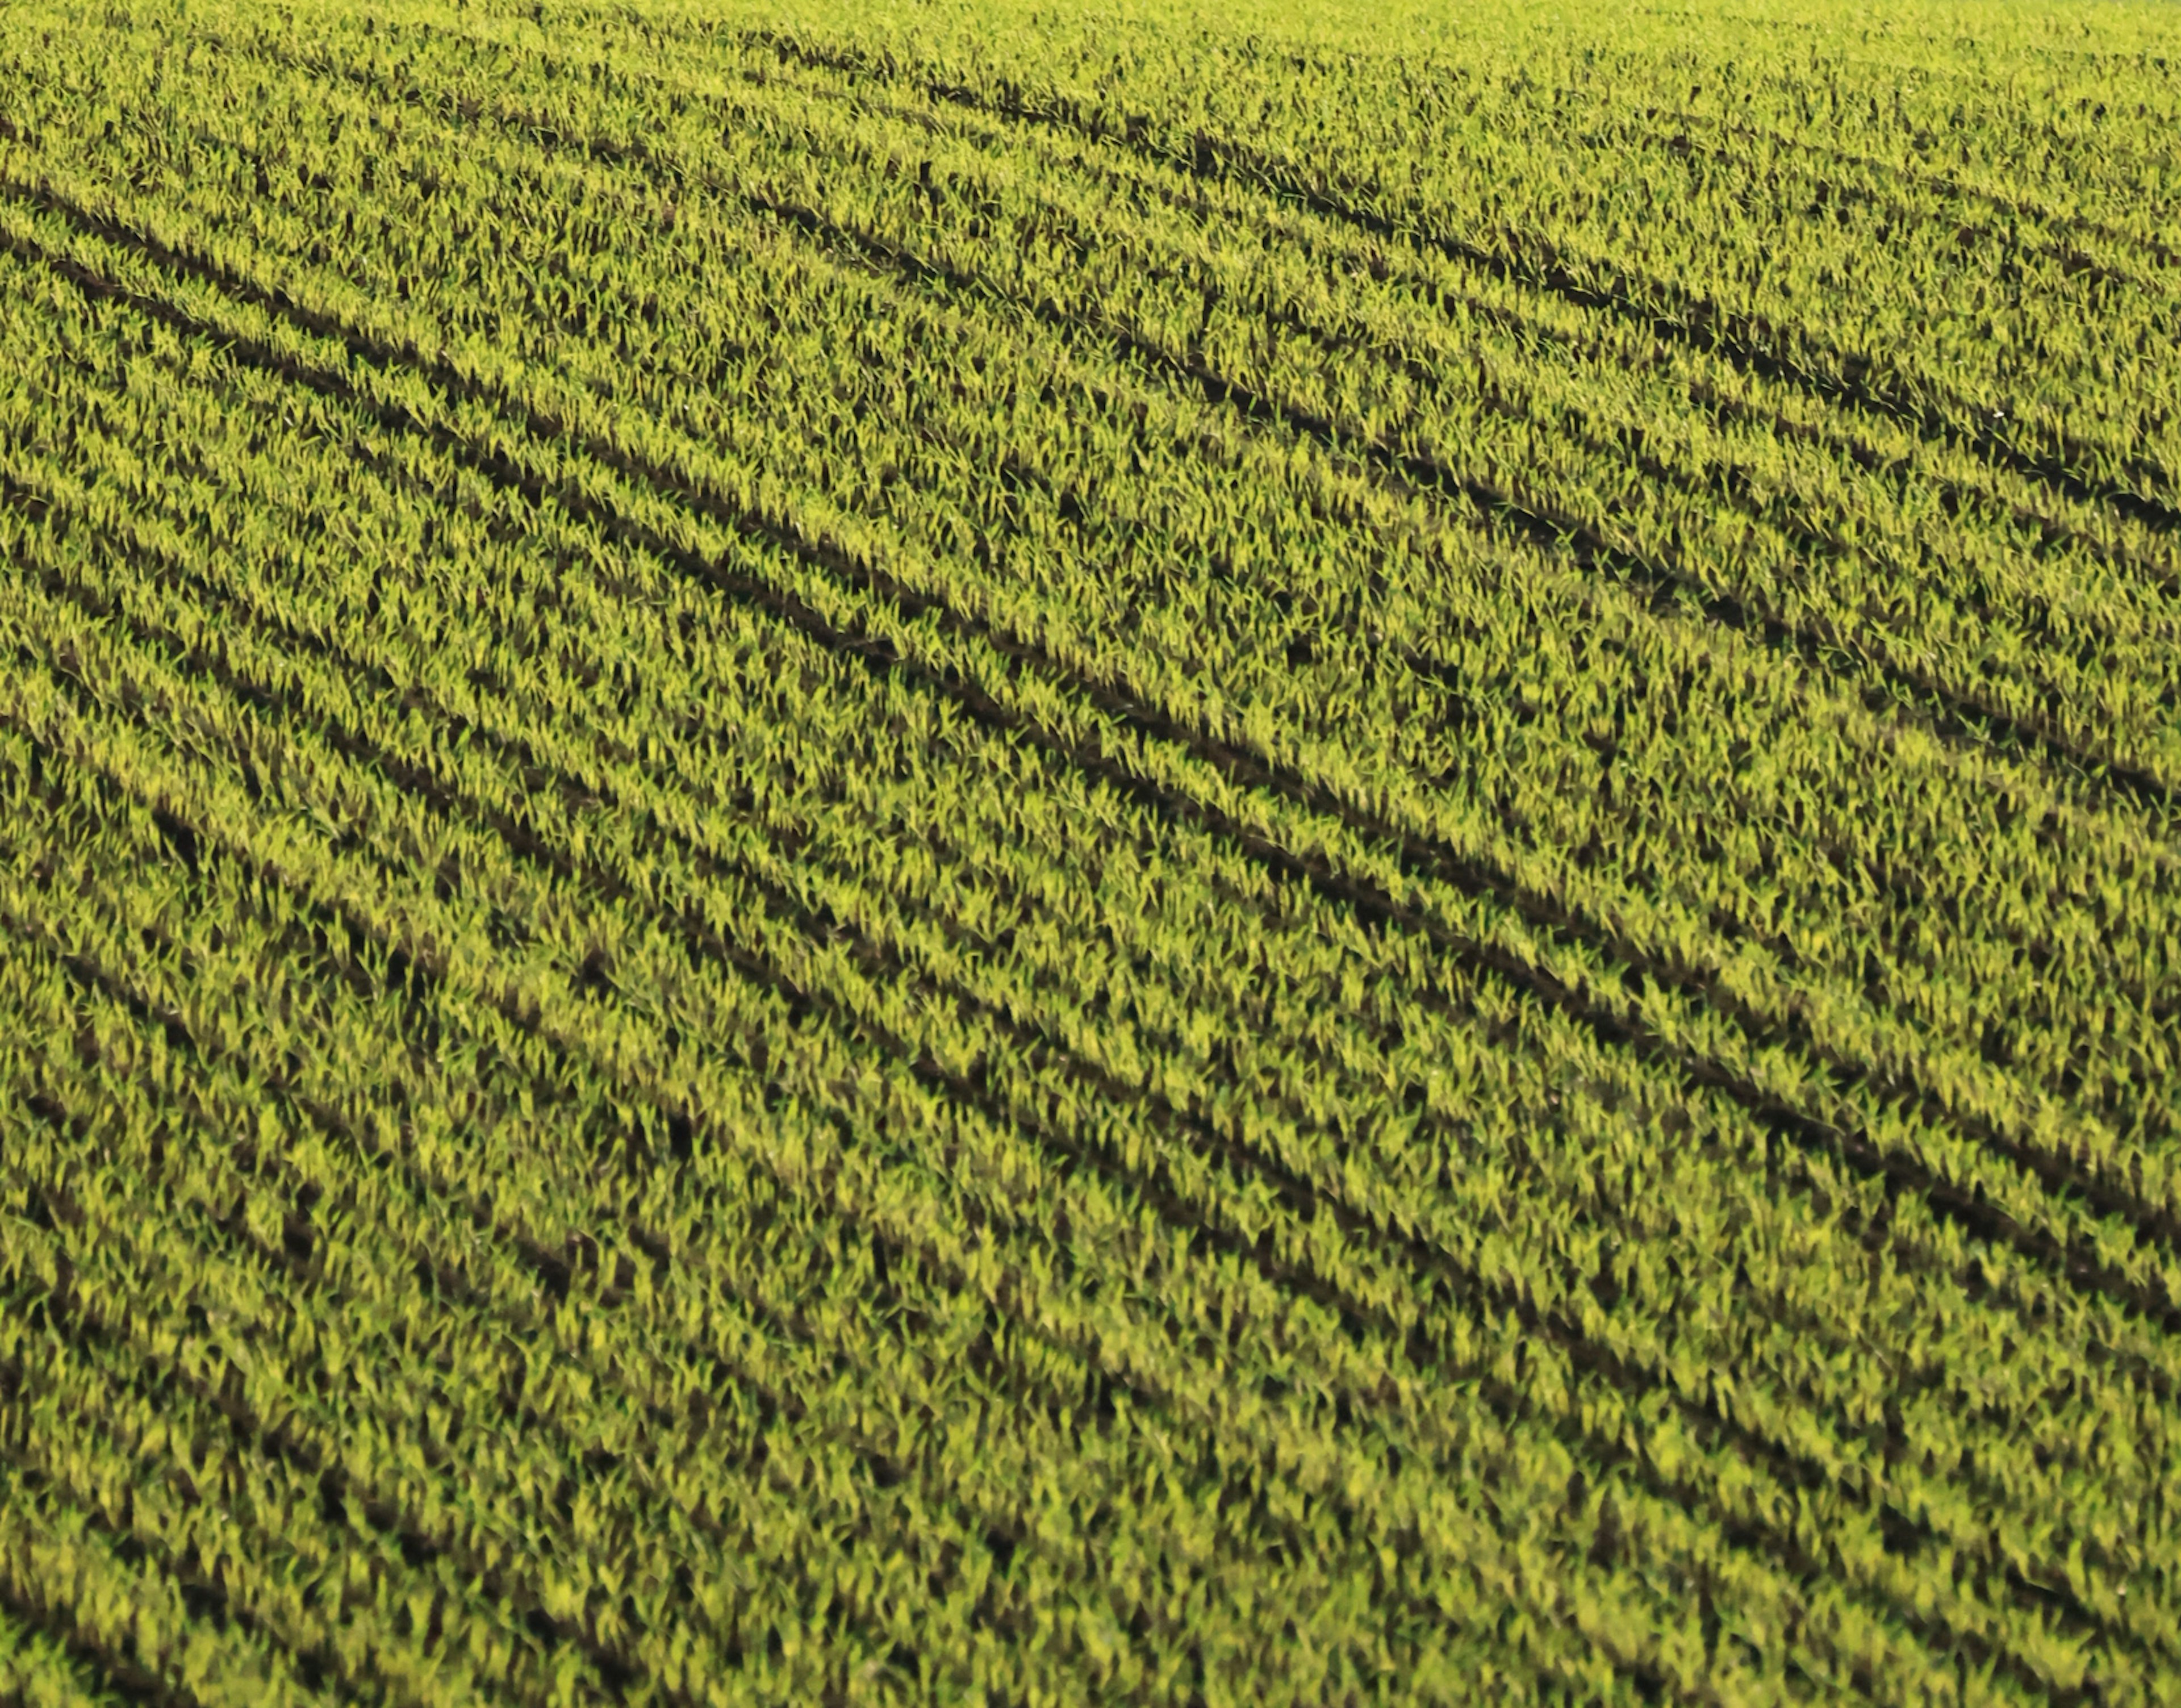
x=961, y=854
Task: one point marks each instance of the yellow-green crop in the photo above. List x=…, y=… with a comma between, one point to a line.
x=1243, y=854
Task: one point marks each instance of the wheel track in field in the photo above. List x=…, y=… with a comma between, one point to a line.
x=2055, y=127
x=903, y=1052
x=2051, y=532
x=1371, y=905
x=1509, y=318
x=1959, y=713
x=1542, y=530
x=2072, y=262
x=1809, y=647
x=2108, y=1102
x=1675, y=130
x=1668, y=129
x=794, y=843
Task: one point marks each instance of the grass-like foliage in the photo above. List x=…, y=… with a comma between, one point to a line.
x=1275, y=855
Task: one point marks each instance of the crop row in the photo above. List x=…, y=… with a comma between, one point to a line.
x=959, y=957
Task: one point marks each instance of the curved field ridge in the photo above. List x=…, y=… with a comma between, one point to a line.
x=1217, y=856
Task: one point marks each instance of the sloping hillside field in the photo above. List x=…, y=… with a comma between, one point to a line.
x=967, y=856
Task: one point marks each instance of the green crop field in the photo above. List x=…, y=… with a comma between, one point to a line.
x=1250, y=855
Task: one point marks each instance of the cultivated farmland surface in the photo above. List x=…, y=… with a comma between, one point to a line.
x=1228, y=856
